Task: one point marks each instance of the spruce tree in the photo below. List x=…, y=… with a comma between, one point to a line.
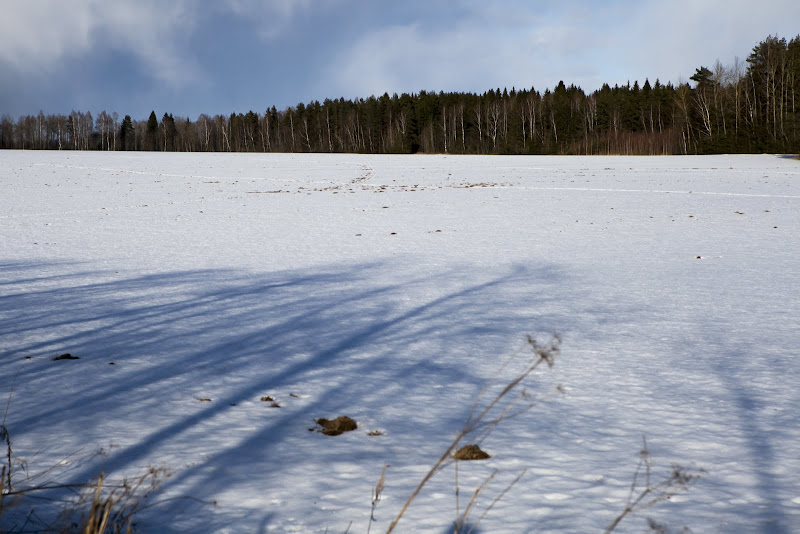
x=126, y=134
x=152, y=132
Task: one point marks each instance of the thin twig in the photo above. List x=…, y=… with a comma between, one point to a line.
x=677, y=482
x=463, y=519
x=541, y=354
x=497, y=499
x=376, y=495
x=4, y=434
x=458, y=513
x=10, y=393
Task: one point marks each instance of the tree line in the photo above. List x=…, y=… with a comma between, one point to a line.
x=748, y=106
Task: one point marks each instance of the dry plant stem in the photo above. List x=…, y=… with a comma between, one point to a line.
x=541, y=353
x=678, y=481
x=497, y=499
x=4, y=432
x=458, y=512
x=2, y=488
x=644, y=459
x=6, y=471
x=33, y=485
x=108, y=507
x=491, y=380
x=99, y=511
x=376, y=495
x=508, y=414
x=424, y=481
x=463, y=519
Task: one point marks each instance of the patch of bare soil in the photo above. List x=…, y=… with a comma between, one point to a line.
x=334, y=427
x=66, y=356
x=470, y=452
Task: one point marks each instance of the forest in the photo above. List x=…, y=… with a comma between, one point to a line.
x=750, y=106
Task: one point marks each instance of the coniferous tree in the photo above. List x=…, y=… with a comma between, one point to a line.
x=126, y=134
x=151, y=139
x=743, y=107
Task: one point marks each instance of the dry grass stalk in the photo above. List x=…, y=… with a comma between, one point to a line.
x=376, y=495
x=4, y=436
x=678, y=481
x=107, y=507
x=462, y=520
x=2, y=488
x=113, y=506
x=497, y=499
x=478, y=420
x=99, y=511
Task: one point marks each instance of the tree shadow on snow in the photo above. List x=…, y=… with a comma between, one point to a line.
x=356, y=336
x=750, y=407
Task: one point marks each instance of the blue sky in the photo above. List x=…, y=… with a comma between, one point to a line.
x=188, y=57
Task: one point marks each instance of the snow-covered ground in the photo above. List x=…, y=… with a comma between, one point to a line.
x=390, y=289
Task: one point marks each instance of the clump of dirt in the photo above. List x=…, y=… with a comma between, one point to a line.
x=271, y=400
x=66, y=356
x=470, y=452
x=334, y=427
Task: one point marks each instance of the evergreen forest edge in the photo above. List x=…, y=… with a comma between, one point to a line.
x=751, y=106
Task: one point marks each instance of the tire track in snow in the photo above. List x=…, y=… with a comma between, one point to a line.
x=659, y=191
x=109, y=209
x=304, y=180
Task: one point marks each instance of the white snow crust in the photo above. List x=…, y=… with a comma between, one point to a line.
x=390, y=289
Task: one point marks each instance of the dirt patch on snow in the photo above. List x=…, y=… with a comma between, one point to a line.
x=334, y=427
x=470, y=452
x=66, y=356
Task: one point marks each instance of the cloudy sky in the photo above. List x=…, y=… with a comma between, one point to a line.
x=188, y=57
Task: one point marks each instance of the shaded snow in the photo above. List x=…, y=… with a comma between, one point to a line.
x=389, y=289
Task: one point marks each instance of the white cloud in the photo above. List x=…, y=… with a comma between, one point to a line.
x=580, y=42
x=402, y=58
x=481, y=51
x=282, y=8
x=274, y=17
x=670, y=40
x=449, y=45
x=36, y=36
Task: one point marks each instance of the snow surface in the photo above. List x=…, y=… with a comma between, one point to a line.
x=390, y=289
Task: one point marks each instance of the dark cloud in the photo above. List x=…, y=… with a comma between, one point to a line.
x=190, y=57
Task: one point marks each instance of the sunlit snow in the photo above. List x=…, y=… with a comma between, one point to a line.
x=390, y=289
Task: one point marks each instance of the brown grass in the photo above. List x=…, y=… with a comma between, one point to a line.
x=482, y=421
x=481, y=424
x=101, y=506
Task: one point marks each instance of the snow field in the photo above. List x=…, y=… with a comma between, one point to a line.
x=390, y=289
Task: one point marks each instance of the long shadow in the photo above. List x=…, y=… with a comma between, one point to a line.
x=763, y=461
x=185, y=331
